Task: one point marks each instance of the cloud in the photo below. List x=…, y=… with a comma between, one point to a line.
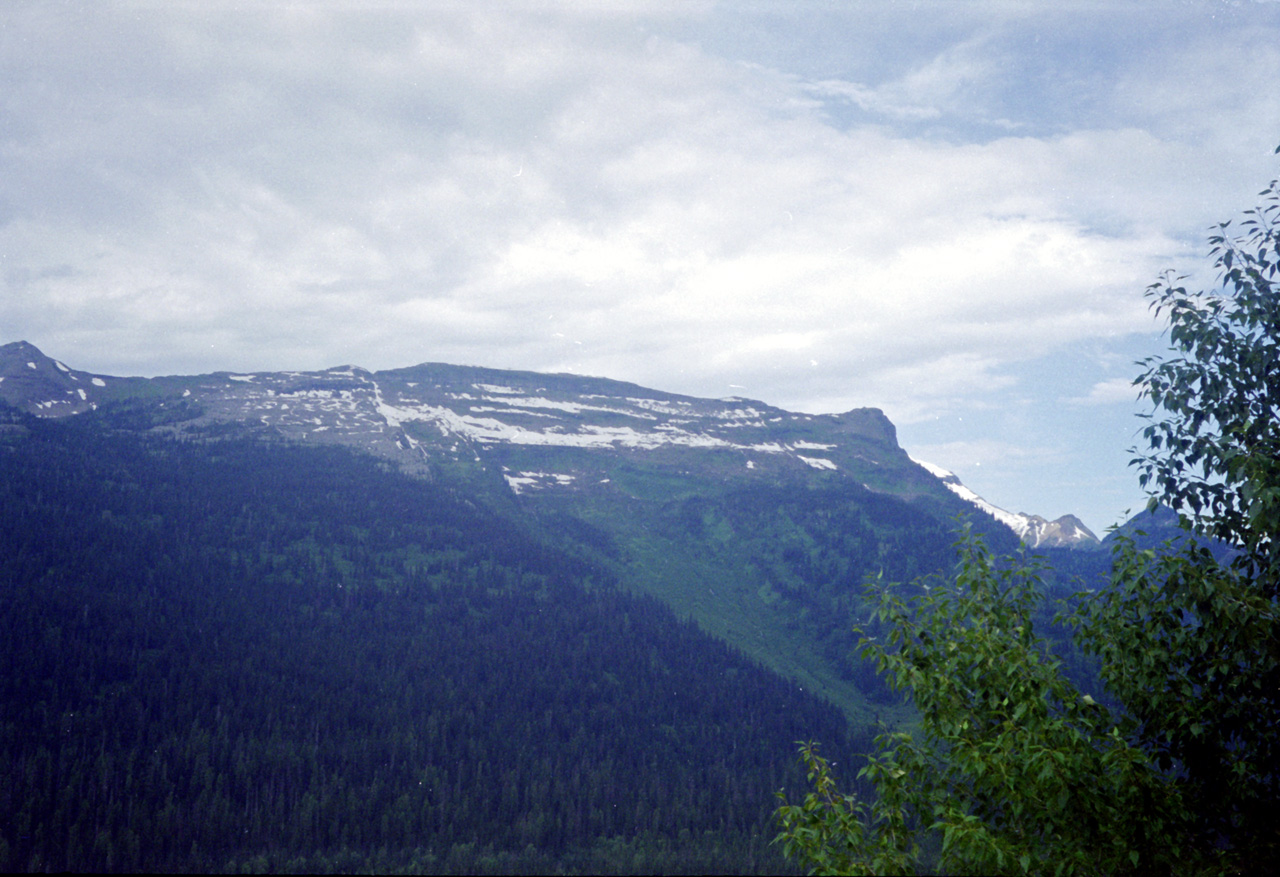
x=944, y=84
x=1108, y=392
x=566, y=189
x=1189, y=100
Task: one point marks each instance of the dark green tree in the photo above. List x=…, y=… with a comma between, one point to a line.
x=1190, y=642
x=1014, y=769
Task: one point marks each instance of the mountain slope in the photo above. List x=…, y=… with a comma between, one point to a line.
x=37, y=384
x=759, y=523
x=563, y=433
x=339, y=555
x=243, y=654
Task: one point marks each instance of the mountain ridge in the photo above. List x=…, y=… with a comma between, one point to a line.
x=433, y=415
x=1067, y=531
x=761, y=525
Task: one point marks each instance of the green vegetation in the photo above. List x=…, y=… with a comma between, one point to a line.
x=230, y=651
x=1190, y=638
x=230, y=654
x=1013, y=768
x=776, y=570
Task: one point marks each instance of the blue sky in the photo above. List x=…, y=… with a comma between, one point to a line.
x=947, y=210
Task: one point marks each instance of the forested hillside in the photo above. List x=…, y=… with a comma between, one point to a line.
x=234, y=653
x=778, y=569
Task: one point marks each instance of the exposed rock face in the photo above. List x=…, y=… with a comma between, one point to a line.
x=1067, y=531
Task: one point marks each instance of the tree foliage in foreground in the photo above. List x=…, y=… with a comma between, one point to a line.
x=1191, y=644
x=1016, y=770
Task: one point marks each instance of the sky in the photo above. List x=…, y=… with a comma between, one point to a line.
x=946, y=210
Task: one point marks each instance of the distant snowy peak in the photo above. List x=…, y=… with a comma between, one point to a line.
x=1067, y=531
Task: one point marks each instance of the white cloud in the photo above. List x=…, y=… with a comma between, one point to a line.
x=947, y=83
x=1108, y=392
x=563, y=189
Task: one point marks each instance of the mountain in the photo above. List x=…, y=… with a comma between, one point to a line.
x=510, y=422
x=228, y=654
x=541, y=432
x=32, y=382
x=759, y=523
x=436, y=618
x=1067, y=531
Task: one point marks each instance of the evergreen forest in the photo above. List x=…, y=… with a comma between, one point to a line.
x=224, y=653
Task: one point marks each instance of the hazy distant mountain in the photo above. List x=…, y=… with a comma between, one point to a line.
x=1067, y=531
x=539, y=432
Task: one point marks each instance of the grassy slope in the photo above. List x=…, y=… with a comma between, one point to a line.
x=772, y=569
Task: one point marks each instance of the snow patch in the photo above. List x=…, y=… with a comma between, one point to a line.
x=936, y=471
x=1019, y=524
x=569, y=407
x=247, y=379
x=31, y=365
x=61, y=366
x=490, y=430
x=658, y=406
x=737, y=413
x=817, y=462
x=489, y=409
x=1016, y=523
x=523, y=481
x=99, y=382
